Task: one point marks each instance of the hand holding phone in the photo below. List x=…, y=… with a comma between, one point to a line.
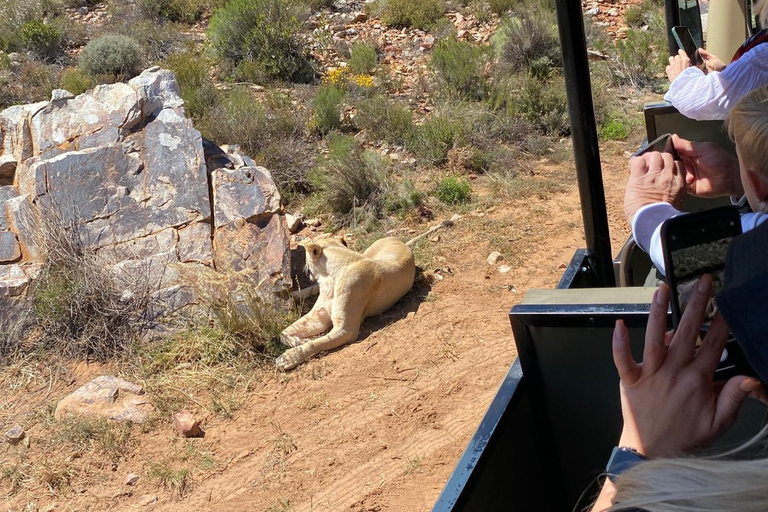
x=662, y=144
x=686, y=43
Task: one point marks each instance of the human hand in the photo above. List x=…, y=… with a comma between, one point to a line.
x=710, y=171
x=653, y=178
x=670, y=401
x=711, y=61
x=677, y=63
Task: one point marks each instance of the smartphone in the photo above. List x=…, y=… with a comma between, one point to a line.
x=695, y=244
x=685, y=42
x=663, y=145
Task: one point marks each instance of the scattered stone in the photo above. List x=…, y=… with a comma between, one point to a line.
x=132, y=479
x=186, y=424
x=494, y=258
x=293, y=222
x=562, y=266
x=15, y=434
x=410, y=315
x=435, y=238
x=100, y=397
x=147, y=499
x=314, y=223
x=504, y=269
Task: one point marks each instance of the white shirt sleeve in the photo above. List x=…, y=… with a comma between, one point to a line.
x=712, y=96
x=646, y=230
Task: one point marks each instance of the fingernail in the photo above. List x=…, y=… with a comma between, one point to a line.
x=749, y=385
x=704, y=283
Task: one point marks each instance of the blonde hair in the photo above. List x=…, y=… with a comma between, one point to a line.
x=747, y=125
x=760, y=10
x=730, y=481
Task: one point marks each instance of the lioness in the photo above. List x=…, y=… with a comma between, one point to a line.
x=353, y=286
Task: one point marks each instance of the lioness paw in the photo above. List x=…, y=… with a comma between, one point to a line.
x=289, y=360
x=288, y=340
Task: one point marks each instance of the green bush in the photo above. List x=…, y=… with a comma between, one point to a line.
x=500, y=7
x=158, y=39
x=75, y=81
x=639, y=58
x=327, y=108
x=350, y=179
x=384, y=119
x=454, y=191
x=197, y=90
x=363, y=58
x=544, y=104
x=529, y=35
x=615, y=130
x=437, y=135
x=421, y=14
x=459, y=65
x=182, y=11
x=118, y=56
x=261, y=37
x=42, y=39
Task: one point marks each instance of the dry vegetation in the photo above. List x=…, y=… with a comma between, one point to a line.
x=465, y=138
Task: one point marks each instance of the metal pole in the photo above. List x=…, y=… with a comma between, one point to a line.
x=584, y=136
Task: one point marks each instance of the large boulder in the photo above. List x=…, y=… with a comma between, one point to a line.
x=123, y=165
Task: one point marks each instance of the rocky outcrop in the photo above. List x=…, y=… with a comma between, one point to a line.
x=124, y=166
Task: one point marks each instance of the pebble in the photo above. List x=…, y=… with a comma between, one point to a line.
x=494, y=258
x=186, y=425
x=15, y=434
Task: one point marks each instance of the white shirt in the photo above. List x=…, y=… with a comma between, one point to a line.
x=713, y=95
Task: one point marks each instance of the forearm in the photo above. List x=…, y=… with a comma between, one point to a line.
x=605, y=499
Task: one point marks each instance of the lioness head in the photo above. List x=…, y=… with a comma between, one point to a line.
x=314, y=253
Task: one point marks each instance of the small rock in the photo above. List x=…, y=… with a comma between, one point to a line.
x=131, y=479
x=435, y=238
x=562, y=266
x=315, y=223
x=360, y=17
x=15, y=434
x=293, y=222
x=411, y=231
x=410, y=315
x=82, y=11
x=613, y=11
x=504, y=269
x=147, y=499
x=186, y=424
x=61, y=94
x=494, y=258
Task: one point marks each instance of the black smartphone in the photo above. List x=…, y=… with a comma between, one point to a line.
x=662, y=144
x=686, y=43
x=695, y=244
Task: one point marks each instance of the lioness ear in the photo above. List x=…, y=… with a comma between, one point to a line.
x=313, y=250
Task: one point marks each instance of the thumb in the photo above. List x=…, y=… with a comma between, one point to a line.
x=682, y=146
x=704, y=54
x=729, y=401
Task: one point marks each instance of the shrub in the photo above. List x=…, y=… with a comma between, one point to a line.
x=75, y=81
x=37, y=81
x=638, y=58
x=350, y=178
x=453, y=191
x=42, y=39
x=80, y=307
x=363, y=58
x=263, y=35
x=421, y=14
x=197, y=90
x=459, y=65
x=327, y=108
x=432, y=140
x=528, y=35
x=384, y=119
x=158, y=40
x=500, y=7
x=183, y=11
x=544, y=105
x=615, y=130
x=113, y=55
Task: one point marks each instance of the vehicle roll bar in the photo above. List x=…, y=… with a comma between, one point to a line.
x=584, y=136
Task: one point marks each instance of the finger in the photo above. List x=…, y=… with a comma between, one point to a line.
x=708, y=356
x=637, y=165
x=655, y=350
x=668, y=162
x=684, y=343
x=629, y=370
x=668, y=337
x=682, y=146
x=730, y=399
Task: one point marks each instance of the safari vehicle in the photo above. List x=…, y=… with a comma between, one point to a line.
x=550, y=428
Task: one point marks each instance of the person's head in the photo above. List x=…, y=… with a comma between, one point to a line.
x=748, y=127
x=760, y=9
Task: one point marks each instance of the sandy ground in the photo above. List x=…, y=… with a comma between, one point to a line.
x=380, y=424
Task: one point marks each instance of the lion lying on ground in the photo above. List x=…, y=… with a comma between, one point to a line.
x=353, y=286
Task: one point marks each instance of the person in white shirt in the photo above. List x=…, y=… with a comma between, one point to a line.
x=710, y=94
x=657, y=184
